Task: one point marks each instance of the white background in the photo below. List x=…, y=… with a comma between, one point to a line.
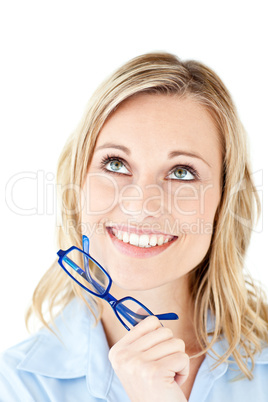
x=54, y=54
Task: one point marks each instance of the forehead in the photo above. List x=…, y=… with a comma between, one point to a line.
x=162, y=123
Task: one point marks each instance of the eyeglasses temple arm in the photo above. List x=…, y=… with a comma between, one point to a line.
x=85, y=240
x=129, y=314
x=166, y=316
x=89, y=278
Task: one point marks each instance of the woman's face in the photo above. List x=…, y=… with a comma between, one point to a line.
x=156, y=167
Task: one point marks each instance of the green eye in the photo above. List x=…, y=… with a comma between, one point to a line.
x=184, y=174
x=180, y=173
x=116, y=165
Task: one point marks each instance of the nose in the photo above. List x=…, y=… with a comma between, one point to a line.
x=142, y=199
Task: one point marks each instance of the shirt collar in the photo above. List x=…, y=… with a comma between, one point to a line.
x=69, y=348
x=80, y=350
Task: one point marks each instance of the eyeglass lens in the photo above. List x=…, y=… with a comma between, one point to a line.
x=130, y=312
x=98, y=280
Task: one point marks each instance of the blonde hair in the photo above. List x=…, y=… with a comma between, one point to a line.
x=218, y=283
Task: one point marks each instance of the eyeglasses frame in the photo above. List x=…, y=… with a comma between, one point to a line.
x=116, y=305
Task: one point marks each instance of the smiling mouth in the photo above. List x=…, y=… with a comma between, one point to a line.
x=141, y=240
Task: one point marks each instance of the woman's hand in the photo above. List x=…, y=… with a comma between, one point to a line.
x=150, y=363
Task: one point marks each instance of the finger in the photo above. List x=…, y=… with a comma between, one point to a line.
x=152, y=339
x=125, y=347
x=146, y=326
x=175, y=367
x=165, y=348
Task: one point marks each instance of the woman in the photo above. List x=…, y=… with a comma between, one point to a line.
x=157, y=176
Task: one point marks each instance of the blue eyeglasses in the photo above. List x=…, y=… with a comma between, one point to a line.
x=98, y=282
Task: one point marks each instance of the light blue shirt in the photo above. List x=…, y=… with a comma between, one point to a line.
x=77, y=368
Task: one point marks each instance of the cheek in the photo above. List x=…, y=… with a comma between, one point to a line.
x=195, y=208
x=99, y=196
x=196, y=248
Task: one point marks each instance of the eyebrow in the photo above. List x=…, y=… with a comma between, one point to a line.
x=171, y=155
x=178, y=153
x=110, y=145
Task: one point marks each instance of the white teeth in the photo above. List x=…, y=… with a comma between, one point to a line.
x=143, y=240
x=125, y=237
x=134, y=239
x=160, y=241
x=153, y=241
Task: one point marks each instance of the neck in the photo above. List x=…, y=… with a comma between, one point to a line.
x=172, y=297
